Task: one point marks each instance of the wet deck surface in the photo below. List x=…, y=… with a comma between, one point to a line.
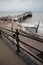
x=8, y=57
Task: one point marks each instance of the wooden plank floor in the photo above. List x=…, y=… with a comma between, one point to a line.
x=8, y=57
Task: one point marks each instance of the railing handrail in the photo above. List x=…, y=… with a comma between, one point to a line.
x=23, y=42
x=7, y=29
x=31, y=46
x=18, y=40
x=29, y=36
x=31, y=33
x=32, y=37
x=32, y=55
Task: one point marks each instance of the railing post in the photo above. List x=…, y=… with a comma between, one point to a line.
x=17, y=39
x=0, y=33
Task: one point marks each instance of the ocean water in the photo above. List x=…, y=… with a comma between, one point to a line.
x=9, y=13
x=37, y=17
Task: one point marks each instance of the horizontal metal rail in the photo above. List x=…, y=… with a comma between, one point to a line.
x=6, y=33
x=7, y=29
x=23, y=42
x=18, y=40
x=30, y=46
x=9, y=39
x=29, y=36
x=32, y=55
x=32, y=37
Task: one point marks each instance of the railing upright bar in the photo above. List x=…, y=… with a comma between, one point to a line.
x=17, y=39
x=0, y=33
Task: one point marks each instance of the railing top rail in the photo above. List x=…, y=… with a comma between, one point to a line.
x=28, y=35
x=17, y=39
x=32, y=55
x=31, y=36
x=7, y=29
x=31, y=33
x=23, y=42
x=31, y=46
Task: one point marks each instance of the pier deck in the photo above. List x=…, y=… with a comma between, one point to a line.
x=7, y=56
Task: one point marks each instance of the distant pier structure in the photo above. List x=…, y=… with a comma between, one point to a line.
x=23, y=16
x=19, y=17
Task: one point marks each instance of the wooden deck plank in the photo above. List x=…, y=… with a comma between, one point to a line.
x=8, y=57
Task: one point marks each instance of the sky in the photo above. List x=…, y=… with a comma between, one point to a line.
x=21, y=5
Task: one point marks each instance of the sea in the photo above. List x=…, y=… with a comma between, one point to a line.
x=37, y=17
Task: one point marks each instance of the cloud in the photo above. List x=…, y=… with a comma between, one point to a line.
x=19, y=5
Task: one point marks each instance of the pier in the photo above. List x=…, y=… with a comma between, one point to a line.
x=18, y=18
x=23, y=16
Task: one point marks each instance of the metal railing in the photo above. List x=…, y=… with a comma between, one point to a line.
x=18, y=41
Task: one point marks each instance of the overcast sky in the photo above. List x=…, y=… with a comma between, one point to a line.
x=21, y=5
